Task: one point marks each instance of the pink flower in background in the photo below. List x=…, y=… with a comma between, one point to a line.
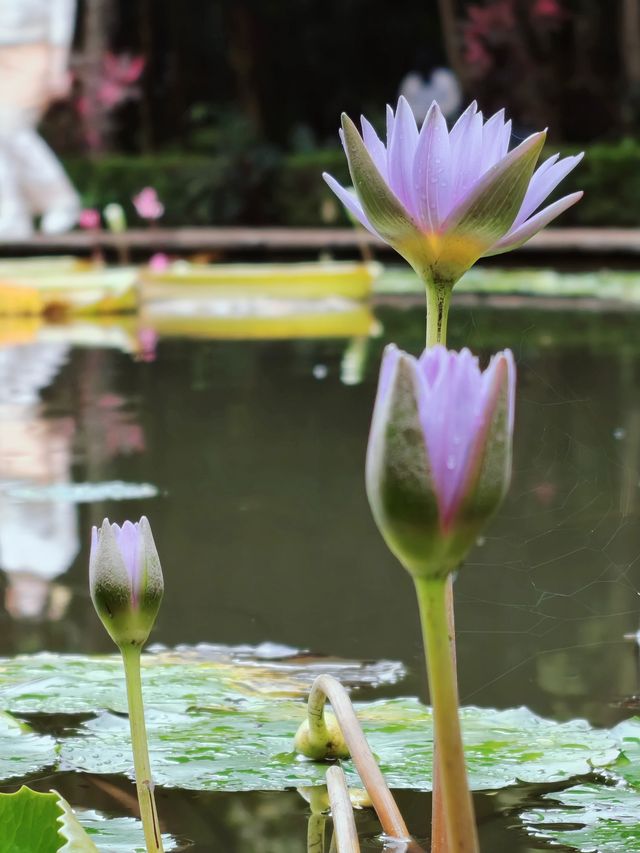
x=89, y=219
x=159, y=262
x=104, y=87
x=147, y=204
x=148, y=342
x=547, y=9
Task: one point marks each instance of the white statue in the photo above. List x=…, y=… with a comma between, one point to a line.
x=35, y=39
x=442, y=87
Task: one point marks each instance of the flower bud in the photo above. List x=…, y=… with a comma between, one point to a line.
x=125, y=580
x=332, y=746
x=439, y=454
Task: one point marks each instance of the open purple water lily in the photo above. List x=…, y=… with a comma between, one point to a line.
x=443, y=198
x=439, y=454
x=125, y=579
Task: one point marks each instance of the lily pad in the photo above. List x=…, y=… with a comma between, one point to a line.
x=80, y=493
x=589, y=818
x=249, y=747
x=33, y=822
x=22, y=751
x=179, y=680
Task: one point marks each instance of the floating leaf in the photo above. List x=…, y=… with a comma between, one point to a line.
x=589, y=818
x=82, y=493
x=248, y=746
x=628, y=766
x=74, y=684
x=33, y=822
x=22, y=751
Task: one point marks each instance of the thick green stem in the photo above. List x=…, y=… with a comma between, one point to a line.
x=456, y=799
x=438, y=299
x=144, y=782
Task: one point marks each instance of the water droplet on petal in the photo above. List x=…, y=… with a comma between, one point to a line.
x=451, y=462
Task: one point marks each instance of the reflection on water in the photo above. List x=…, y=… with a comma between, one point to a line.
x=256, y=448
x=255, y=451
x=38, y=540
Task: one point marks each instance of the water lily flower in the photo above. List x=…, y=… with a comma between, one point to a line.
x=125, y=580
x=148, y=205
x=443, y=199
x=439, y=453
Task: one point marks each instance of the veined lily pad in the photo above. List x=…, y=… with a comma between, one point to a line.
x=249, y=747
x=22, y=751
x=34, y=822
x=590, y=818
x=31, y=822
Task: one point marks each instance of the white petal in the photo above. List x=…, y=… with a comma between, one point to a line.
x=350, y=201
x=432, y=170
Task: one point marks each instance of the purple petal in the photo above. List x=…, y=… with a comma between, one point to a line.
x=466, y=158
x=375, y=147
x=505, y=139
x=350, y=201
x=432, y=170
x=400, y=155
x=461, y=127
x=492, y=134
x=520, y=235
x=543, y=182
x=390, y=125
x=128, y=539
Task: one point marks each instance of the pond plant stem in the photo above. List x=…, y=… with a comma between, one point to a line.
x=344, y=824
x=438, y=301
x=144, y=781
x=326, y=687
x=457, y=805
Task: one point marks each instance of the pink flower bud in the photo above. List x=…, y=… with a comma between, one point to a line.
x=125, y=580
x=439, y=454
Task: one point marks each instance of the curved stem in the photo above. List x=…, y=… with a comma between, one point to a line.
x=461, y=833
x=438, y=300
x=326, y=687
x=344, y=824
x=144, y=781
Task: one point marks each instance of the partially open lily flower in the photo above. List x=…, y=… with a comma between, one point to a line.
x=439, y=454
x=125, y=580
x=444, y=198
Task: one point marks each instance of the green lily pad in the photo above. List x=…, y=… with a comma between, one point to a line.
x=249, y=747
x=590, y=818
x=32, y=822
x=175, y=681
x=628, y=765
x=22, y=751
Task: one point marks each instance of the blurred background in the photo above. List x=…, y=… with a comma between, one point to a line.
x=231, y=107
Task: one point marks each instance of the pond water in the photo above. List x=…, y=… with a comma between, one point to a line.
x=255, y=452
